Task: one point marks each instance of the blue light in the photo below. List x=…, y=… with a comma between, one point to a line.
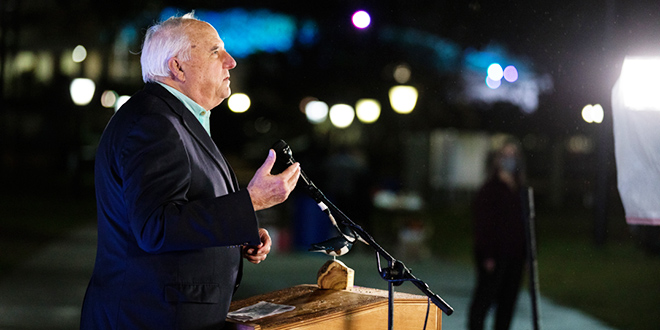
x=443, y=53
x=247, y=32
x=308, y=32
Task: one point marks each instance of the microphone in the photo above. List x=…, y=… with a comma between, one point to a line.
x=284, y=159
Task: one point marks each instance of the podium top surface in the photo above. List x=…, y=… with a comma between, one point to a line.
x=313, y=303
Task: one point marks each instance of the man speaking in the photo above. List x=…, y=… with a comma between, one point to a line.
x=173, y=225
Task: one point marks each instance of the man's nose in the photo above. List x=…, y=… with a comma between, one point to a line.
x=229, y=62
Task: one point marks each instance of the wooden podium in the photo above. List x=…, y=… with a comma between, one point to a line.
x=357, y=308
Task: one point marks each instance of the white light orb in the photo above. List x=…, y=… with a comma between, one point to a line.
x=403, y=98
x=82, y=91
x=587, y=113
x=493, y=84
x=238, y=103
x=120, y=101
x=597, y=113
x=342, y=115
x=367, y=110
x=361, y=19
x=495, y=71
x=316, y=111
x=79, y=54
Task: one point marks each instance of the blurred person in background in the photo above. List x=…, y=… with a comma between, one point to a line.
x=499, y=238
x=173, y=225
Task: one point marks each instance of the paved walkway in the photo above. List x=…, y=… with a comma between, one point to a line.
x=46, y=291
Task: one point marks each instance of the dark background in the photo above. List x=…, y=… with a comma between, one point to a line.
x=590, y=258
x=580, y=45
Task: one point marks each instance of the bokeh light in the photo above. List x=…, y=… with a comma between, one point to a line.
x=238, y=102
x=580, y=144
x=493, y=84
x=361, y=19
x=593, y=113
x=316, y=111
x=403, y=98
x=495, y=71
x=342, y=115
x=109, y=98
x=120, y=101
x=402, y=73
x=510, y=73
x=79, y=54
x=263, y=125
x=367, y=110
x=82, y=91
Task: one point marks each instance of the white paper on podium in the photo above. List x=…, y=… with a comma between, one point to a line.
x=258, y=310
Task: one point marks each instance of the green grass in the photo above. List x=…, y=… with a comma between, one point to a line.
x=617, y=282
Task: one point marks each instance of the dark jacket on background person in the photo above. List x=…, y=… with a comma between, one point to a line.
x=499, y=230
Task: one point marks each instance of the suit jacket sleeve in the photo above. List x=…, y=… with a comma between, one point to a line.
x=174, y=199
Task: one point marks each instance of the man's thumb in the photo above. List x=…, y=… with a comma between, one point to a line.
x=269, y=162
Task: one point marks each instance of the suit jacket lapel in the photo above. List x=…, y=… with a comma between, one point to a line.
x=198, y=132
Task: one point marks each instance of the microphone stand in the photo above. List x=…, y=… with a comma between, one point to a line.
x=395, y=273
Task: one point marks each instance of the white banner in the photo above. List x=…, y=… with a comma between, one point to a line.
x=637, y=151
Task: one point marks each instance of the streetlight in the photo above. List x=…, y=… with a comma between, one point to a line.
x=403, y=98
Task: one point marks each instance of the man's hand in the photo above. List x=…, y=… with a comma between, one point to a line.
x=257, y=254
x=268, y=190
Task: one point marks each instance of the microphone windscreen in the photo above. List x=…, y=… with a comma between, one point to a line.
x=283, y=157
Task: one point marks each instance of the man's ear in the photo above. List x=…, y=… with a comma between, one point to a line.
x=176, y=70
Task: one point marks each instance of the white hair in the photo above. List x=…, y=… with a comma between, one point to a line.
x=162, y=42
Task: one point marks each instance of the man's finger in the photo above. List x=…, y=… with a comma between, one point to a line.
x=291, y=171
x=269, y=162
x=294, y=178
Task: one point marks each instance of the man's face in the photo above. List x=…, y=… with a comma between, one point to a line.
x=207, y=71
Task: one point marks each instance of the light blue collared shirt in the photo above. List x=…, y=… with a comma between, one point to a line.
x=203, y=115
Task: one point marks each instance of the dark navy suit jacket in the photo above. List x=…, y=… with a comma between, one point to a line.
x=171, y=221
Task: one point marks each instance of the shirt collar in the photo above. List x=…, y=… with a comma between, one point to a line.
x=203, y=115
